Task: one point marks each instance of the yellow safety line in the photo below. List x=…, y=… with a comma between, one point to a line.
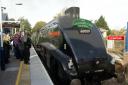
x=19, y=73
x=28, y=74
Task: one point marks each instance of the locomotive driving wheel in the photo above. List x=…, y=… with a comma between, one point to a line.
x=75, y=82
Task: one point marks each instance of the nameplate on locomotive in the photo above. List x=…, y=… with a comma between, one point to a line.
x=84, y=31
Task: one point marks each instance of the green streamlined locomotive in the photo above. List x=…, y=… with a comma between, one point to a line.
x=73, y=48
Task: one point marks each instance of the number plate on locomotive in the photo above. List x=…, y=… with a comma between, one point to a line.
x=84, y=31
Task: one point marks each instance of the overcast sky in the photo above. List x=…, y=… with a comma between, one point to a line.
x=114, y=11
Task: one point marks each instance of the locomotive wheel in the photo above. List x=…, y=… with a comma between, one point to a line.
x=75, y=82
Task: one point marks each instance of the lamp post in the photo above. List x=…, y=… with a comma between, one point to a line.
x=1, y=30
x=20, y=21
x=126, y=40
x=1, y=17
x=2, y=61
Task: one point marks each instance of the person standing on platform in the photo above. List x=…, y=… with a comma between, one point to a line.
x=27, y=46
x=2, y=60
x=16, y=42
x=6, y=46
x=21, y=45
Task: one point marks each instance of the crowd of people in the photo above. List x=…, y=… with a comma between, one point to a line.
x=20, y=44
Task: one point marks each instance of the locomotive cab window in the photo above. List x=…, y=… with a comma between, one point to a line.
x=55, y=35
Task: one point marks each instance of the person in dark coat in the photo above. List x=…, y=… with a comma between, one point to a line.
x=16, y=43
x=21, y=46
x=6, y=46
x=27, y=46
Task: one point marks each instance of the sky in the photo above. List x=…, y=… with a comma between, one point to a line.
x=114, y=11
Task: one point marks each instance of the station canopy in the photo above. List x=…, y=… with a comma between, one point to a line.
x=11, y=25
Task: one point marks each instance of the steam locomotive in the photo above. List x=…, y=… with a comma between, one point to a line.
x=73, y=48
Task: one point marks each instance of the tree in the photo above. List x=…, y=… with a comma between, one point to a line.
x=122, y=31
x=25, y=25
x=119, y=44
x=38, y=26
x=101, y=23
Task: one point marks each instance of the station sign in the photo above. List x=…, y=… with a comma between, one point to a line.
x=115, y=37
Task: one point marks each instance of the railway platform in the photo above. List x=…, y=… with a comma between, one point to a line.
x=18, y=73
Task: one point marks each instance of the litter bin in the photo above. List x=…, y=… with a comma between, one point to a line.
x=2, y=61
